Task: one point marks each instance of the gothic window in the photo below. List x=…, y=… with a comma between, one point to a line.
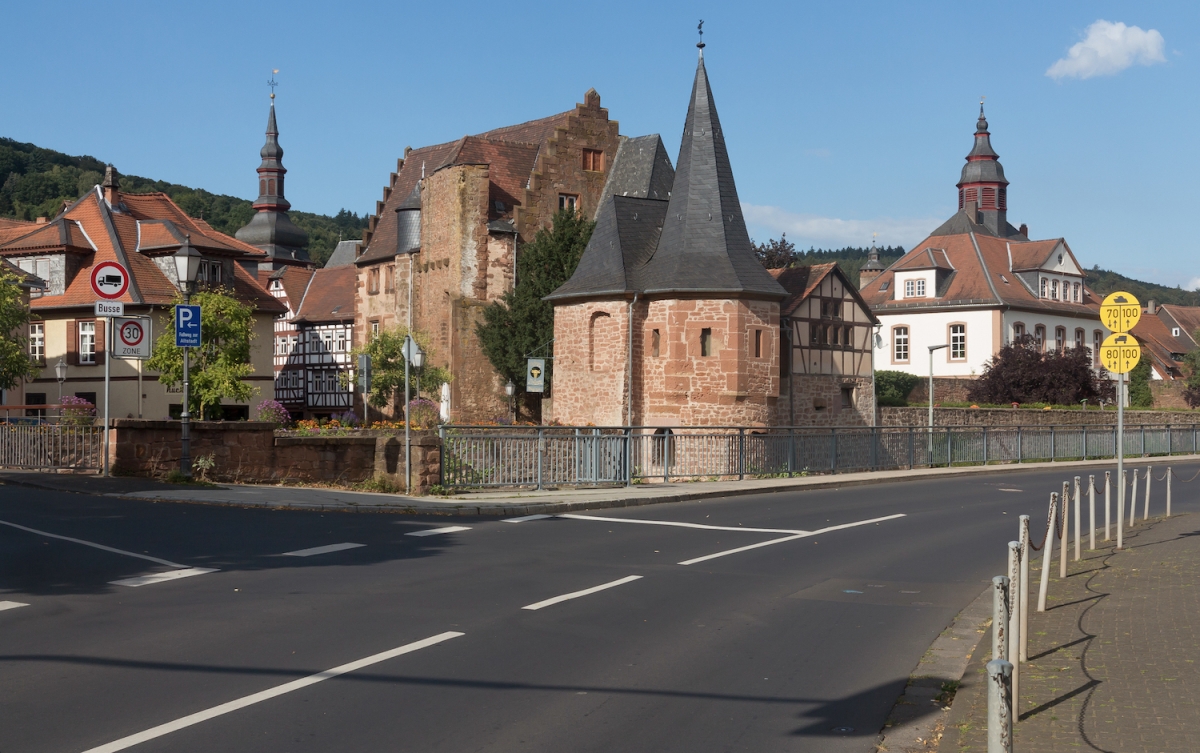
x=593, y=160
x=958, y=342
x=706, y=342
x=900, y=344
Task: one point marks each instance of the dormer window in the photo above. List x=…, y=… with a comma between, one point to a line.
x=914, y=288
x=1054, y=290
x=1175, y=332
x=1045, y=288
x=1075, y=292
x=884, y=286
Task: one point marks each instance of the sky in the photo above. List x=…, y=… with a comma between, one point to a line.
x=843, y=119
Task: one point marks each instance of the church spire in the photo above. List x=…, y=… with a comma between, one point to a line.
x=982, y=188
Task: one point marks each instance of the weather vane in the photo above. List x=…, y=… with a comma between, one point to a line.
x=700, y=28
x=272, y=82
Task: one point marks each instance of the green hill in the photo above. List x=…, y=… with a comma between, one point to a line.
x=37, y=181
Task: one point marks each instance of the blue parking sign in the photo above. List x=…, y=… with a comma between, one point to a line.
x=187, y=326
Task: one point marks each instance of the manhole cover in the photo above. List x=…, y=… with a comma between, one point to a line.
x=843, y=730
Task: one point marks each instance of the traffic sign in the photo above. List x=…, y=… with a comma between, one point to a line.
x=109, y=280
x=1120, y=311
x=364, y=373
x=1120, y=352
x=187, y=326
x=535, y=375
x=133, y=338
x=109, y=308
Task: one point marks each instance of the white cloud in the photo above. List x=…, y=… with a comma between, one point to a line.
x=1108, y=49
x=1193, y=284
x=812, y=230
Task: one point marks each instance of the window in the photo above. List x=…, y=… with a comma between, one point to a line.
x=706, y=343
x=37, y=342
x=35, y=398
x=910, y=288
x=1045, y=286
x=341, y=341
x=372, y=280
x=1075, y=292
x=276, y=284
x=39, y=268
x=1097, y=339
x=1174, y=331
x=1018, y=332
x=209, y=273
x=847, y=397
x=848, y=336
x=280, y=344
x=654, y=342
x=900, y=344
x=920, y=288
x=758, y=343
x=1039, y=337
x=1060, y=338
x=834, y=335
x=389, y=279
x=375, y=328
x=87, y=342
x=1079, y=338
x=958, y=342
x=567, y=201
x=593, y=159
x=831, y=308
x=814, y=331
x=884, y=286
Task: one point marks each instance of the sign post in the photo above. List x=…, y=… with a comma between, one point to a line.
x=364, y=385
x=187, y=335
x=1119, y=353
x=109, y=282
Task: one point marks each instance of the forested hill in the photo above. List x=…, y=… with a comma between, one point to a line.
x=37, y=181
x=1104, y=281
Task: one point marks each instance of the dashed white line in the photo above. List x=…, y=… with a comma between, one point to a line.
x=321, y=550
x=250, y=700
x=436, y=531
x=146, y=580
x=702, y=526
x=789, y=538
x=11, y=605
x=577, y=594
x=94, y=545
x=524, y=518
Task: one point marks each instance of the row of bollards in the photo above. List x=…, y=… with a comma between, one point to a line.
x=1010, y=593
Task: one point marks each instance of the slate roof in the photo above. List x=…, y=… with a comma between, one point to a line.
x=961, y=223
x=343, y=254
x=641, y=169
x=703, y=246
x=329, y=297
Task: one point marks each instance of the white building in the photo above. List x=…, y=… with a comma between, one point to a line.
x=976, y=283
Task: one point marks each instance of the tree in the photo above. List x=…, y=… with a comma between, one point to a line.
x=15, y=361
x=1192, y=392
x=1021, y=373
x=776, y=253
x=893, y=387
x=386, y=349
x=221, y=363
x=521, y=324
x=1140, y=395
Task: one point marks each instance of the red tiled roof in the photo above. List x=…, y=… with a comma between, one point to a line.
x=10, y=229
x=530, y=132
x=330, y=297
x=509, y=166
x=1159, y=345
x=1188, y=319
x=800, y=282
x=295, y=282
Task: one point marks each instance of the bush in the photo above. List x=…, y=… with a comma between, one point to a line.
x=273, y=412
x=1140, y=395
x=424, y=414
x=892, y=388
x=349, y=419
x=77, y=412
x=1021, y=373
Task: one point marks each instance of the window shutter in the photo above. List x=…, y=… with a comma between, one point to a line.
x=72, y=343
x=101, y=349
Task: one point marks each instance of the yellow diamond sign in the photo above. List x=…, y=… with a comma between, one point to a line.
x=1120, y=352
x=1120, y=312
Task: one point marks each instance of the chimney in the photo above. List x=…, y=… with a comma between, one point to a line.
x=1023, y=230
x=111, y=186
x=1151, y=307
x=42, y=220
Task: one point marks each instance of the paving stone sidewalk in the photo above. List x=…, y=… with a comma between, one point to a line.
x=1114, y=662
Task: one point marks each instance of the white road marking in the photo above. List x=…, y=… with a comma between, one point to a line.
x=11, y=605
x=584, y=592
x=265, y=695
x=436, y=531
x=94, y=545
x=603, y=519
x=321, y=550
x=525, y=518
x=789, y=538
x=146, y=580
x=1008, y=490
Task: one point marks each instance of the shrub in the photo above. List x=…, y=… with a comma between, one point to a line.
x=893, y=387
x=77, y=412
x=1021, y=373
x=273, y=411
x=424, y=414
x=348, y=419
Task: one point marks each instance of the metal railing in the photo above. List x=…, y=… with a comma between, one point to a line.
x=33, y=440
x=541, y=456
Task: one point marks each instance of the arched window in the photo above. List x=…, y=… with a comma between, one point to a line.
x=1060, y=338
x=271, y=187
x=600, y=337
x=1079, y=338
x=1039, y=337
x=958, y=342
x=1018, y=331
x=262, y=187
x=1097, y=339
x=1045, y=285
x=1075, y=292
x=1054, y=290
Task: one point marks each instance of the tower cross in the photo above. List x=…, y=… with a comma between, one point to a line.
x=271, y=82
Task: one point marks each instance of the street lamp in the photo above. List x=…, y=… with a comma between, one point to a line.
x=510, y=389
x=187, y=267
x=413, y=355
x=60, y=371
x=931, y=349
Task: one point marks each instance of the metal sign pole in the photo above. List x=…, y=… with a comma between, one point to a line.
x=1120, y=458
x=108, y=351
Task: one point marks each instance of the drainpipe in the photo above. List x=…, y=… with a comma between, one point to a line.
x=629, y=363
x=786, y=329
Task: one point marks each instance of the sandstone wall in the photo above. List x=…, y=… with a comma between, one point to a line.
x=1026, y=417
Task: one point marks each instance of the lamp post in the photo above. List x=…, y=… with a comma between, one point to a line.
x=414, y=356
x=187, y=266
x=60, y=371
x=931, y=349
x=510, y=389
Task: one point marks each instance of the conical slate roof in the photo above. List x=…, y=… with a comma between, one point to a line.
x=705, y=247
x=983, y=164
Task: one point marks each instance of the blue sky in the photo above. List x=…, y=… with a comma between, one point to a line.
x=842, y=119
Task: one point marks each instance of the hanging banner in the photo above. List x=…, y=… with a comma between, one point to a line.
x=535, y=375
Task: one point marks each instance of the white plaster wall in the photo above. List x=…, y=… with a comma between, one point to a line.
x=1050, y=321
x=933, y=328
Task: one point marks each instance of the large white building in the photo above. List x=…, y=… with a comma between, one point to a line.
x=976, y=283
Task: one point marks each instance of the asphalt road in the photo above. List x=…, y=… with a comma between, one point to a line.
x=799, y=645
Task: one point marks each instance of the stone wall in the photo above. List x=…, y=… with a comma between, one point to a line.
x=817, y=401
x=252, y=452
x=945, y=389
x=591, y=343
x=1028, y=417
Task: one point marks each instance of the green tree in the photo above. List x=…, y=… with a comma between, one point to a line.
x=1191, y=363
x=221, y=363
x=15, y=362
x=521, y=324
x=893, y=387
x=386, y=349
x=1140, y=395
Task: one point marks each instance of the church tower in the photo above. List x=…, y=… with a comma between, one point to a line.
x=271, y=229
x=982, y=183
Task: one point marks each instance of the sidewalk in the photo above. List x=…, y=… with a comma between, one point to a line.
x=1114, y=661
x=511, y=501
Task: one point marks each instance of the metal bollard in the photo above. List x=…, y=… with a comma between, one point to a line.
x=1133, y=500
x=1091, y=512
x=1000, y=617
x=1000, y=716
x=1023, y=654
x=1146, y=508
x=1014, y=614
x=1107, y=506
x=1064, y=513
x=1168, y=491
x=1048, y=551
x=1121, y=510
x=1077, y=502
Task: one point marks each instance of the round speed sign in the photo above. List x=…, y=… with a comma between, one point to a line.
x=132, y=333
x=1120, y=352
x=1120, y=311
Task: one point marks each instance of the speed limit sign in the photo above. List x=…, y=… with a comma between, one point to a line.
x=133, y=338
